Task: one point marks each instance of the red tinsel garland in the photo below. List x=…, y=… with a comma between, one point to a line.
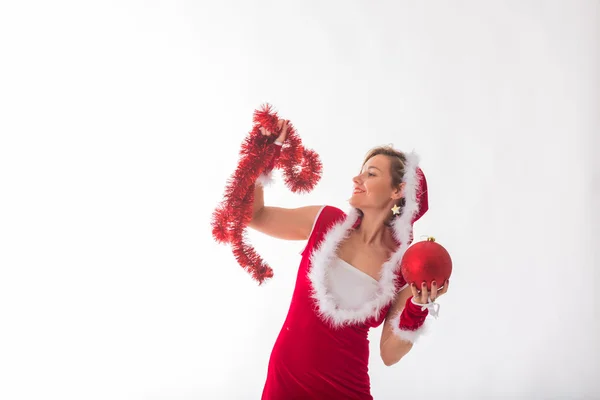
x=301, y=170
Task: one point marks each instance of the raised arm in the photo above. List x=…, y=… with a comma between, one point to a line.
x=278, y=222
x=282, y=223
x=285, y=223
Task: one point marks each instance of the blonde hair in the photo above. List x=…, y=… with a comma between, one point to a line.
x=397, y=167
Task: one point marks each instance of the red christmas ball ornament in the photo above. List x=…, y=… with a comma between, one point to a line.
x=426, y=261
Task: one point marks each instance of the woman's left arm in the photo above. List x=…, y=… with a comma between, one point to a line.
x=391, y=347
x=404, y=320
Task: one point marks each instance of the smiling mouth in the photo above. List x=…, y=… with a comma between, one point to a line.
x=357, y=191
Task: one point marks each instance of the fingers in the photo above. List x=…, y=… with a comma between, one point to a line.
x=424, y=293
x=282, y=126
x=414, y=291
x=284, y=129
x=420, y=296
x=444, y=289
x=434, y=291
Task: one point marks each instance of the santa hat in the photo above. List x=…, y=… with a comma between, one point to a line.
x=415, y=206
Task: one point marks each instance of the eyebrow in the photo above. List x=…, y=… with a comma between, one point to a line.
x=374, y=167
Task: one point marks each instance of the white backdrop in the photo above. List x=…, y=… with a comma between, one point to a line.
x=120, y=122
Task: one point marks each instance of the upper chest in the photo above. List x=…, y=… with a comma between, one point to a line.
x=366, y=258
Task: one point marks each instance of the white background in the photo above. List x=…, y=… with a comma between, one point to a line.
x=120, y=122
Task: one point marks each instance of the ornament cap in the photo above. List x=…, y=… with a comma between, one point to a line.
x=430, y=239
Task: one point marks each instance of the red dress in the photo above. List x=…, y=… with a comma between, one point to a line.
x=322, y=351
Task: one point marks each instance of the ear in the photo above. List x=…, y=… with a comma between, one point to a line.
x=398, y=193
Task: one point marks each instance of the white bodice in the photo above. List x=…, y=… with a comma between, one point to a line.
x=350, y=287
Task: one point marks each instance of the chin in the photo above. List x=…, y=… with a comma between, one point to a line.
x=354, y=203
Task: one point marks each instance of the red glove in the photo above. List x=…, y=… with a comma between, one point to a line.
x=408, y=324
x=413, y=316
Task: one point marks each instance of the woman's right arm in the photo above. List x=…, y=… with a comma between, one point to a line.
x=282, y=223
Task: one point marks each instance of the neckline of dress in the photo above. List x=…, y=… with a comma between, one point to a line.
x=322, y=257
x=357, y=271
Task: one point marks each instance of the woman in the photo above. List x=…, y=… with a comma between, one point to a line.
x=348, y=280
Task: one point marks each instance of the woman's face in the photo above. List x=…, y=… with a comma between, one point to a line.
x=373, y=186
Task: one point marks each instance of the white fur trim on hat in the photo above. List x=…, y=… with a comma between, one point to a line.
x=324, y=255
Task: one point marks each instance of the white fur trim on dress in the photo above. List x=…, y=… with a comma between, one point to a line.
x=325, y=254
x=406, y=335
